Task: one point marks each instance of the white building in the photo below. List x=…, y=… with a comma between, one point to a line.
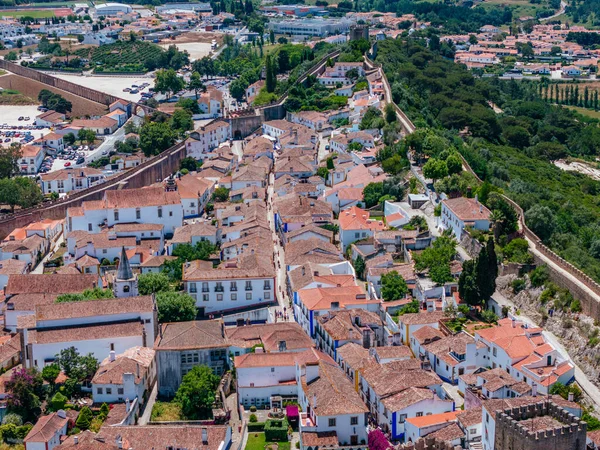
x=112, y=9
x=128, y=376
x=96, y=327
x=46, y=433
x=235, y=284
x=459, y=213
x=206, y=138
x=70, y=179
x=146, y=205
x=31, y=159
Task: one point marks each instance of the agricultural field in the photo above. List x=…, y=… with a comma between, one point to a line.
x=585, y=111
x=35, y=13
x=122, y=56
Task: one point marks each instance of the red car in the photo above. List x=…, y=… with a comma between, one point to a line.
x=67, y=164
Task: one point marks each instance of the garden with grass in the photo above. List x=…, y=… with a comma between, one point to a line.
x=14, y=97
x=122, y=56
x=271, y=435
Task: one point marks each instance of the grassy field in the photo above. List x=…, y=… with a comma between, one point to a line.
x=35, y=13
x=586, y=112
x=165, y=412
x=256, y=441
x=13, y=97
x=520, y=7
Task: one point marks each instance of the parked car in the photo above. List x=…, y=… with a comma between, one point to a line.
x=67, y=164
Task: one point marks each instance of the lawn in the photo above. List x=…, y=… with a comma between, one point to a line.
x=256, y=441
x=165, y=412
x=35, y=13
x=13, y=97
x=586, y=112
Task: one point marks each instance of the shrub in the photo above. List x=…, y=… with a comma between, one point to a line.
x=84, y=420
x=257, y=426
x=253, y=408
x=58, y=402
x=539, y=276
x=518, y=285
x=13, y=418
x=253, y=418
x=276, y=430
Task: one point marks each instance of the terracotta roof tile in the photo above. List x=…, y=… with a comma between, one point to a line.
x=191, y=335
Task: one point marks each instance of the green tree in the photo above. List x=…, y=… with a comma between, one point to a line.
x=155, y=137
x=175, y=307
x=330, y=163
x=237, y=88
x=181, y=121
x=390, y=113
x=58, y=401
x=393, y=286
x=271, y=76
x=221, y=194
x=50, y=372
x=86, y=135
x=25, y=393
x=69, y=139
x=76, y=366
x=187, y=252
x=372, y=192
x=9, y=160
x=195, y=84
x=323, y=172
x=11, y=56
x=196, y=394
x=467, y=284
x=189, y=163
x=541, y=220
x=272, y=37
x=84, y=419
x=168, y=82
x=454, y=163
x=151, y=283
x=435, y=169
x=359, y=266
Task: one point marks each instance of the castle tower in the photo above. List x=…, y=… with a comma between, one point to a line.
x=125, y=284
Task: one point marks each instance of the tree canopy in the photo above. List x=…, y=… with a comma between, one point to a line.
x=196, y=394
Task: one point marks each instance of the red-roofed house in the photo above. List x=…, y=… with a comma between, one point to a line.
x=517, y=348
x=459, y=213
x=355, y=225
x=46, y=433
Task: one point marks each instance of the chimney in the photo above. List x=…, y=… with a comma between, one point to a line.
x=119, y=441
x=137, y=367
x=476, y=198
x=61, y=413
x=303, y=271
x=222, y=329
x=204, y=436
x=480, y=209
x=514, y=322
x=534, y=390
x=571, y=397
x=112, y=356
x=75, y=439
x=350, y=333
x=316, y=273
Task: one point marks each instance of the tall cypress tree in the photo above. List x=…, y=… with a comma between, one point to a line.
x=576, y=96
x=271, y=80
x=586, y=97
x=492, y=263
x=596, y=100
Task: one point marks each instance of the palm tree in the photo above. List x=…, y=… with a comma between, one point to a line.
x=497, y=218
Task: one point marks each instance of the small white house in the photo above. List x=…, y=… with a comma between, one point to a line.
x=127, y=376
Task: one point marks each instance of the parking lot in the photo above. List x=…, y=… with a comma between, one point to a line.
x=23, y=131
x=73, y=156
x=111, y=84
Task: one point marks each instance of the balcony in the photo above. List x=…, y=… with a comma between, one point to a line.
x=248, y=288
x=233, y=288
x=306, y=423
x=205, y=289
x=219, y=289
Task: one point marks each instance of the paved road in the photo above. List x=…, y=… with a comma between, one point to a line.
x=145, y=417
x=561, y=10
x=39, y=269
x=590, y=388
x=284, y=305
